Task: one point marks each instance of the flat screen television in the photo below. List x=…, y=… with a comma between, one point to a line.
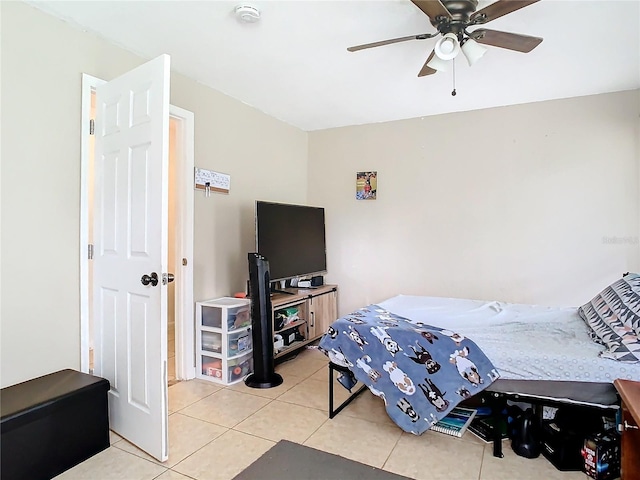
x=291, y=238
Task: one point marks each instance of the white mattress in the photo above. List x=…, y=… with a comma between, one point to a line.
x=524, y=342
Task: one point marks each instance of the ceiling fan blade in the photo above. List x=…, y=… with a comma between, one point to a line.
x=510, y=41
x=426, y=70
x=433, y=9
x=498, y=9
x=385, y=42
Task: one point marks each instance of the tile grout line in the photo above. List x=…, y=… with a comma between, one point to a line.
x=482, y=462
x=391, y=452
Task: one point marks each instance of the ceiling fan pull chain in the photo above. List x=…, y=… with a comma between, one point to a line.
x=453, y=63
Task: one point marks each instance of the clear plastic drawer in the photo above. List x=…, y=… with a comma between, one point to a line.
x=240, y=367
x=212, y=367
x=212, y=342
x=239, y=342
x=212, y=316
x=238, y=317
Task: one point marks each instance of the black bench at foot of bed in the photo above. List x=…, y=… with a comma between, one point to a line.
x=51, y=423
x=539, y=393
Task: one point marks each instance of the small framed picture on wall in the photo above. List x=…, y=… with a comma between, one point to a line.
x=366, y=185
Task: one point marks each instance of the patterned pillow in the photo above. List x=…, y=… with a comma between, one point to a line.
x=614, y=317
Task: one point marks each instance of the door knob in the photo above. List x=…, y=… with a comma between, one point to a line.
x=167, y=278
x=150, y=279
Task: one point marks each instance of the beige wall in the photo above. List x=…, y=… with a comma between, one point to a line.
x=266, y=160
x=509, y=203
x=516, y=211
x=42, y=62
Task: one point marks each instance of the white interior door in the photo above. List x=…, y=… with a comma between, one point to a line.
x=130, y=238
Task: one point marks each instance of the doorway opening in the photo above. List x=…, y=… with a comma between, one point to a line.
x=180, y=334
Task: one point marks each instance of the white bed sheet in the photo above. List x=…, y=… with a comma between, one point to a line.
x=524, y=342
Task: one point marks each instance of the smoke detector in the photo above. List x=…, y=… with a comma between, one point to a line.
x=247, y=14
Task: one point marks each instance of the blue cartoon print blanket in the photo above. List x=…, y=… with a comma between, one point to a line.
x=420, y=371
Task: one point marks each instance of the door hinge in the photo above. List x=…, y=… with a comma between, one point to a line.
x=90, y=251
x=92, y=127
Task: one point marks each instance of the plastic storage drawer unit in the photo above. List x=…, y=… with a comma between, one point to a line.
x=223, y=339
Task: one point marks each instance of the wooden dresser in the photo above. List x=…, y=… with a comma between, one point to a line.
x=630, y=461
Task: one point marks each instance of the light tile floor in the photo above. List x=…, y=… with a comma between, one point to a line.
x=215, y=432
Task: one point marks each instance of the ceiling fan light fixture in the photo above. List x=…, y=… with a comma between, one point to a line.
x=473, y=51
x=439, y=64
x=447, y=47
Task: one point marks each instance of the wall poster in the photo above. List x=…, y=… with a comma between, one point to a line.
x=366, y=185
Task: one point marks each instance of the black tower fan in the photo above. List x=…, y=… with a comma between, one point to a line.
x=264, y=375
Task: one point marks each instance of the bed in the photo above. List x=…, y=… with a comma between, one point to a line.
x=566, y=355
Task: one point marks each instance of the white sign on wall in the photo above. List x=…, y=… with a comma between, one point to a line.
x=211, y=181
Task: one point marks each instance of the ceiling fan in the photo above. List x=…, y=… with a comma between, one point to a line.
x=452, y=18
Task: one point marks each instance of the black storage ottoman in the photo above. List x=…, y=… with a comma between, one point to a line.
x=51, y=423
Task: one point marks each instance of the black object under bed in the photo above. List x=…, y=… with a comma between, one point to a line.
x=539, y=393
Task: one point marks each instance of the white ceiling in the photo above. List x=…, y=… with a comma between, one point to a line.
x=293, y=64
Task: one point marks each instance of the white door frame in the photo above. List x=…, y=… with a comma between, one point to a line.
x=184, y=323
x=183, y=266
